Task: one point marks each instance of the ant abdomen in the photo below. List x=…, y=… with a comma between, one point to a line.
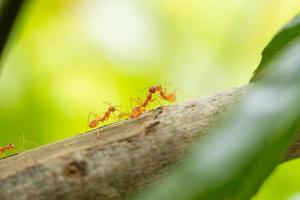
x=93, y=123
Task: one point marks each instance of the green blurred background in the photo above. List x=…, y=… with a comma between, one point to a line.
x=66, y=57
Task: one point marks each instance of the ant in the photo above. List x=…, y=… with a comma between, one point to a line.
x=171, y=97
x=8, y=147
x=18, y=149
x=138, y=110
x=94, y=123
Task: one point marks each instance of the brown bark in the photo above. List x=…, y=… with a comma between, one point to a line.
x=114, y=161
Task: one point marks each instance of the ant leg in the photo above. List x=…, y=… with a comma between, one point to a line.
x=139, y=100
x=134, y=99
x=158, y=101
x=2, y=155
x=20, y=150
x=89, y=117
x=131, y=102
x=165, y=91
x=123, y=114
x=114, y=116
x=141, y=103
x=28, y=142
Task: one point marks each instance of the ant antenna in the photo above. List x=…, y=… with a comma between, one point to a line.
x=24, y=141
x=165, y=84
x=182, y=92
x=143, y=89
x=138, y=101
x=107, y=103
x=154, y=85
x=89, y=117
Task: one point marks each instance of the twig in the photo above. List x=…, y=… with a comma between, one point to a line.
x=125, y=157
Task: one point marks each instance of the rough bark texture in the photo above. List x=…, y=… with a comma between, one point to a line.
x=115, y=161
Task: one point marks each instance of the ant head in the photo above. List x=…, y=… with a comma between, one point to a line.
x=93, y=123
x=10, y=146
x=152, y=89
x=111, y=108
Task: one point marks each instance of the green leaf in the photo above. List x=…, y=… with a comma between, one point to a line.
x=9, y=10
x=286, y=35
x=234, y=161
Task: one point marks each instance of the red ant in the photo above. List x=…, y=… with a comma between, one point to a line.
x=171, y=97
x=8, y=147
x=94, y=123
x=138, y=110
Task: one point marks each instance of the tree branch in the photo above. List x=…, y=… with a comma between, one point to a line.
x=115, y=161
